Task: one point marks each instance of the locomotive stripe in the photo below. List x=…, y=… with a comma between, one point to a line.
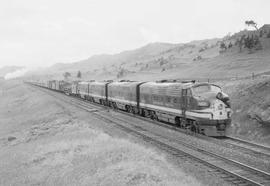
x=199, y=114
x=94, y=95
x=177, y=111
x=194, y=113
x=122, y=101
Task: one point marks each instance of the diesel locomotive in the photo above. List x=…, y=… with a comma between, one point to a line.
x=199, y=107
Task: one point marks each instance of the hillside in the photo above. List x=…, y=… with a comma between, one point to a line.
x=101, y=62
x=197, y=59
x=251, y=107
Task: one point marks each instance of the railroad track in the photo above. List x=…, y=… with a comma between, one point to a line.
x=228, y=169
x=256, y=148
x=228, y=142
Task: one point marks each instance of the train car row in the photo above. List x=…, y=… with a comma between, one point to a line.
x=199, y=107
x=58, y=85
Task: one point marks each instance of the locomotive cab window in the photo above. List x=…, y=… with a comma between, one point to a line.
x=201, y=89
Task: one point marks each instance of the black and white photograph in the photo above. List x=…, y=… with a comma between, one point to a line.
x=135, y=93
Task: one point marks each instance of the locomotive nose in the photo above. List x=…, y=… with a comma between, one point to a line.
x=224, y=98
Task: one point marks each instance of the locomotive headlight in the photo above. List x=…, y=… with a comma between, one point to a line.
x=203, y=103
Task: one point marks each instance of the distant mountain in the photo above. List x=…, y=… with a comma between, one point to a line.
x=104, y=60
x=8, y=69
x=196, y=59
x=151, y=57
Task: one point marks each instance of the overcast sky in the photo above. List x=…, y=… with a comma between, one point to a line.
x=44, y=32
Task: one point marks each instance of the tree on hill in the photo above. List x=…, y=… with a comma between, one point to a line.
x=261, y=33
x=222, y=47
x=66, y=75
x=120, y=73
x=252, y=42
x=249, y=42
x=256, y=40
x=201, y=50
x=268, y=35
x=79, y=74
x=252, y=23
x=240, y=42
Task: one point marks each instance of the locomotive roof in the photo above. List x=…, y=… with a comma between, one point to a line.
x=175, y=84
x=83, y=82
x=92, y=82
x=168, y=84
x=149, y=84
x=98, y=82
x=126, y=83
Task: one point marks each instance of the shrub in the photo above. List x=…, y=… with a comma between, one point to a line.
x=197, y=58
x=121, y=73
x=268, y=35
x=201, y=50
x=161, y=63
x=261, y=33
x=223, y=46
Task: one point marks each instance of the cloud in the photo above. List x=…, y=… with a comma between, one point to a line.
x=44, y=32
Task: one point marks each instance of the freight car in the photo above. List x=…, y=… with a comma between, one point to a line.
x=74, y=88
x=65, y=87
x=93, y=91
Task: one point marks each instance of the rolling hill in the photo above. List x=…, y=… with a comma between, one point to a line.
x=196, y=59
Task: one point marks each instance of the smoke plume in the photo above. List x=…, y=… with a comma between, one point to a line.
x=16, y=74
